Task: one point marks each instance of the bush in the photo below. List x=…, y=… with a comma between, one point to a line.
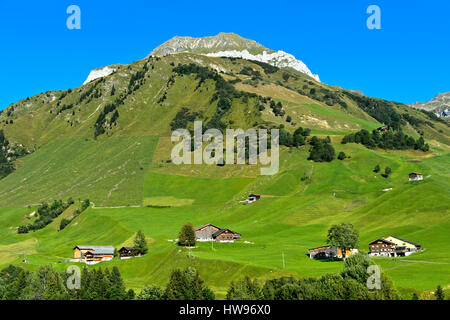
x=341, y=156
x=387, y=172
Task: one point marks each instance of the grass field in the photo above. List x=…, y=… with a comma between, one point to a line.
x=106, y=172
x=128, y=176
x=292, y=216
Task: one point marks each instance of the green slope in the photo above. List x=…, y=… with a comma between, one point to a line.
x=126, y=172
x=110, y=172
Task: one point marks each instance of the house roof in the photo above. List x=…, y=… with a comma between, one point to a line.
x=325, y=246
x=416, y=244
x=215, y=234
x=205, y=225
x=97, y=249
x=127, y=248
x=381, y=239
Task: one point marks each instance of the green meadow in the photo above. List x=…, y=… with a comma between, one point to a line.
x=127, y=174
x=293, y=215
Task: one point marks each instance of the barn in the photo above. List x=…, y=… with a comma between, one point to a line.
x=205, y=232
x=210, y=232
x=328, y=251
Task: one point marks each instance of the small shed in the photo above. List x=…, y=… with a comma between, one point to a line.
x=415, y=176
x=253, y=197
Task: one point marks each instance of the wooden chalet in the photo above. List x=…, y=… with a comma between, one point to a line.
x=393, y=246
x=126, y=252
x=382, y=247
x=93, y=254
x=226, y=235
x=328, y=251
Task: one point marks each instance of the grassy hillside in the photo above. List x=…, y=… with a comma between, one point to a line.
x=106, y=172
x=292, y=216
x=109, y=141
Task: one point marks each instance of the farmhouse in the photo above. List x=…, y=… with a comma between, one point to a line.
x=382, y=247
x=383, y=128
x=329, y=251
x=93, y=254
x=210, y=232
x=415, y=176
x=126, y=252
x=393, y=246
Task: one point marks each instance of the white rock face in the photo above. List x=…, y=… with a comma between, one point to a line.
x=98, y=73
x=278, y=59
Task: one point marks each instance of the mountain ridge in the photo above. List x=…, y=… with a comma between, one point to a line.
x=220, y=45
x=439, y=105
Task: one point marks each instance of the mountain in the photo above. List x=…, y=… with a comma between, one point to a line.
x=439, y=105
x=221, y=45
x=109, y=141
x=232, y=45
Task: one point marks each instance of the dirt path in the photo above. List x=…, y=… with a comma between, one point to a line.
x=419, y=261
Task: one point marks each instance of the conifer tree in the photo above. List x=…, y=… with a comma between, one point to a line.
x=140, y=244
x=116, y=289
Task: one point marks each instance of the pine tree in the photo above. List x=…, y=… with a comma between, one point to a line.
x=55, y=288
x=116, y=289
x=377, y=168
x=15, y=289
x=439, y=293
x=140, y=244
x=187, y=285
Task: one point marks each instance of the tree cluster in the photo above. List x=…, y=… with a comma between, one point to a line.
x=183, y=285
x=47, y=284
x=293, y=140
x=321, y=150
x=65, y=222
x=46, y=214
x=350, y=284
x=393, y=140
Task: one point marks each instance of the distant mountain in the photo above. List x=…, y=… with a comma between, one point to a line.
x=440, y=105
x=232, y=45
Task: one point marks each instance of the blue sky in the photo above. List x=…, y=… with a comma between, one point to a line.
x=407, y=60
